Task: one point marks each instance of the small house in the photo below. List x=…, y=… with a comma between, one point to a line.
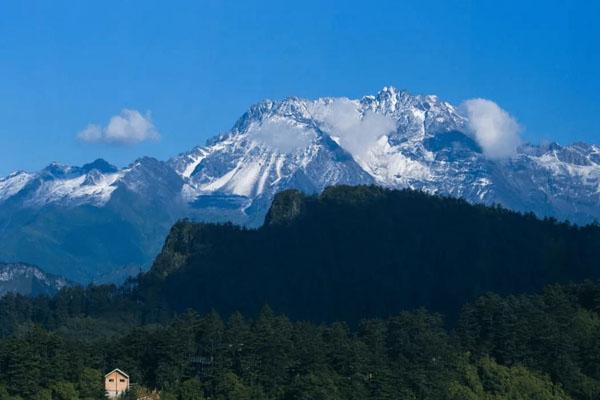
x=116, y=383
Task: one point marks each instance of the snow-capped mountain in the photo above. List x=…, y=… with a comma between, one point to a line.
x=68, y=186
x=28, y=280
x=86, y=222
x=393, y=139
x=102, y=218
x=91, y=184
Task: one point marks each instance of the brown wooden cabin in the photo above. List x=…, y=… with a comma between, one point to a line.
x=116, y=383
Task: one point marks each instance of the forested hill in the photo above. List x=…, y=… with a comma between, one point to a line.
x=356, y=252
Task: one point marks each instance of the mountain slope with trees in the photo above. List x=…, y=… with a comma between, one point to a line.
x=358, y=252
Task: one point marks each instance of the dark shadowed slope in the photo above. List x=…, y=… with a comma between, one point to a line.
x=355, y=252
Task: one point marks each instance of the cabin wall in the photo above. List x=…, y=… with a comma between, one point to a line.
x=118, y=385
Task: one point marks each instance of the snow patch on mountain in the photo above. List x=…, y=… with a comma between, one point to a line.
x=13, y=184
x=27, y=279
x=91, y=184
x=92, y=188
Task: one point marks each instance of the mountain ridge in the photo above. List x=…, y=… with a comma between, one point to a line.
x=26, y=279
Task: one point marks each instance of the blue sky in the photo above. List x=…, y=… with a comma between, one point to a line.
x=196, y=66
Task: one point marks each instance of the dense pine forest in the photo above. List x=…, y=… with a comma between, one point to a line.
x=542, y=346
x=358, y=293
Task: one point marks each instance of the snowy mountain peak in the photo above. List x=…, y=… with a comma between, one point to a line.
x=91, y=184
x=57, y=170
x=392, y=138
x=101, y=166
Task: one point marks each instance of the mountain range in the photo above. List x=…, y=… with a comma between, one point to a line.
x=87, y=222
x=28, y=280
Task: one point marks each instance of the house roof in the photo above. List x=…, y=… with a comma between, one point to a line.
x=118, y=371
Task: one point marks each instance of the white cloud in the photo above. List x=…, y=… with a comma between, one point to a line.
x=91, y=133
x=283, y=135
x=496, y=131
x=355, y=132
x=129, y=127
